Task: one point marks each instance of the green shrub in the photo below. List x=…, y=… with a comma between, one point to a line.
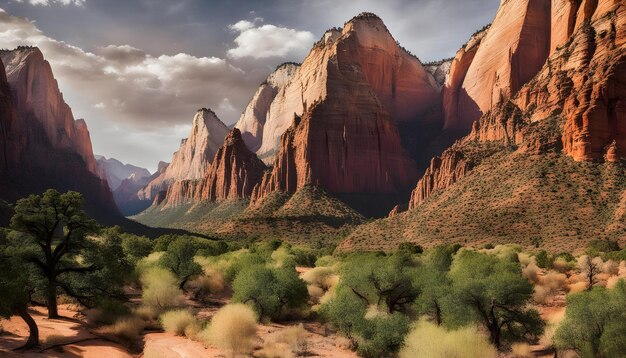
x=269, y=290
x=136, y=247
x=410, y=247
x=595, y=323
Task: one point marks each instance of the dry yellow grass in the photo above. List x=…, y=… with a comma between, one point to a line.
x=232, y=329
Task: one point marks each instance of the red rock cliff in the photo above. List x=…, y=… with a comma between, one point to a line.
x=576, y=103
x=42, y=146
x=233, y=173
x=364, y=57
x=193, y=158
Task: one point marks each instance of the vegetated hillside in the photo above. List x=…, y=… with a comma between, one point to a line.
x=512, y=197
x=308, y=216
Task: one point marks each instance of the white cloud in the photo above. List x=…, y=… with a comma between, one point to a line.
x=53, y=2
x=268, y=41
x=125, y=87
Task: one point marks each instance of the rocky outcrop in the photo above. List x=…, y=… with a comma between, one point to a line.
x=574, y=104
x=233, y=173
x=193, y=158
x=252, y=120
x=43, y=146
x=115, y=171
x=361, y=57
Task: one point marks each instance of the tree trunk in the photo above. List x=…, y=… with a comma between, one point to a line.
x=438, y=313
x=51, y=301
x=33, y=336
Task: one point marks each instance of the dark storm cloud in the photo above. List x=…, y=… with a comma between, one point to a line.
x=138, y=70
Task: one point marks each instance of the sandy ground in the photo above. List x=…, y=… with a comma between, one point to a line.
x=69, y=328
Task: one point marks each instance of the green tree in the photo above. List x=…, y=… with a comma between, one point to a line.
x=492, y=292
x=14, y=287
x=269, y=290
x=179, y=258
x=54, y=237
x=595, y=323
x=135, y=247
x=435, y=291
x=382, y=281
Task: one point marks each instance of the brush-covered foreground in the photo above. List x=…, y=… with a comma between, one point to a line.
x=189, y=296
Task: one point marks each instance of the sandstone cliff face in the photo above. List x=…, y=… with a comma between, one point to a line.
x=362, y=56
x=349, y=96
x=575, y=103
x=512, y=51
x=37, y=97
x=233, y=173
x=252, y=120
x=193, y=158
x=42, y=146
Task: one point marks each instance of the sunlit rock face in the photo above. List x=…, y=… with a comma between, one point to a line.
x=194, y=156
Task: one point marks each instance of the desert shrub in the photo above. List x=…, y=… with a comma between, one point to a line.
x=179, y=322
x=485, y=283
x=270, y=290
x=543, y=259
x=590, y=268
x=232, y=329
x=524, y=259
x=160, y=289
x=531, y=272
x=292, y=341
x=562, y=264
x=128, y=329
x=136, y=247
x=211, y=282
x=577, y=287
x=429, y=340
x=595, y=323
x=610, y=267
x=107, y=311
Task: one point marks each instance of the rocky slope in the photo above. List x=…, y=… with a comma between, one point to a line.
x=193, y=158
x=115, y=171
x=569, y=111
x=41, y=142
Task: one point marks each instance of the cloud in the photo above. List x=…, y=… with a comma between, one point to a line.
x=126, y=92
x=53, y=2
x=268, y=41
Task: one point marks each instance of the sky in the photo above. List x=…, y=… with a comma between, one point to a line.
x=137, y=70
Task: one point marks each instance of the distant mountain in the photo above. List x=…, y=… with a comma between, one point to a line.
x=193, y=157
x=115, y=171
